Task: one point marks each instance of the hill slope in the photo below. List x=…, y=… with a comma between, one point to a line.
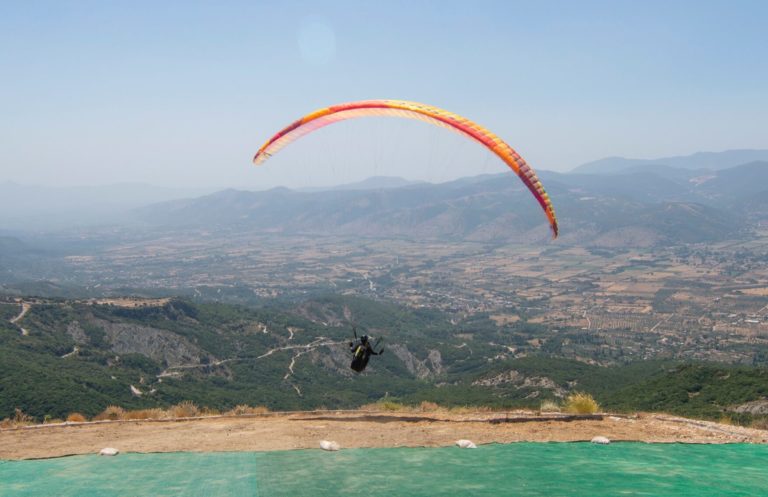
x=80, y=356
x=639, y=209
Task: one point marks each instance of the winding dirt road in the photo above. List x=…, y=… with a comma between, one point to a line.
x=25, y=307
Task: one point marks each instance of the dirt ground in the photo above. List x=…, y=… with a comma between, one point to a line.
x=277, y=431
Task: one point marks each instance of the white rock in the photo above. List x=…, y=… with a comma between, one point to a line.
x=328, y=445
x=601, y=440
x=108, y=451
x=466, y=444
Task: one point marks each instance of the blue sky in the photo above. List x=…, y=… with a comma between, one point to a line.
x=183, y=93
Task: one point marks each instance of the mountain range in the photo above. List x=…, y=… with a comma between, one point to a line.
x=638, y=206
x=614, y=202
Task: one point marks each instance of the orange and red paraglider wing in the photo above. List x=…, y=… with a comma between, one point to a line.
x=413, y=110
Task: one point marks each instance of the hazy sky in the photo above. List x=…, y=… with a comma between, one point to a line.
x=183, y=93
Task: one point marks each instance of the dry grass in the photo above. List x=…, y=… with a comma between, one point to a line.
x=461, y=410
x=549, y=406
x=209, y=411
x=239, y=410
x=389, y=405
x=146, y=414
x=260, y=410
x=22, y=419
x=111, y=413
x=473, y=409
x=725, y=420
x=427, y=406
x=185, y=409
x=384, y=405
x=246, y=409
x=759, y=423
x=581, y=403
x=18, y=419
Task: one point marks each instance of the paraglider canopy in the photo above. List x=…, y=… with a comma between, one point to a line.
x=413, y=110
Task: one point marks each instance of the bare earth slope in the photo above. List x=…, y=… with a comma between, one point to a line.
x=353, y=429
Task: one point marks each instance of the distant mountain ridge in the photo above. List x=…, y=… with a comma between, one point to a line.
x=635, y=203
x=637, y=207
x=699, y=160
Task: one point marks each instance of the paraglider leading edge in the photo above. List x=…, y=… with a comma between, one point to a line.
x=413, y=110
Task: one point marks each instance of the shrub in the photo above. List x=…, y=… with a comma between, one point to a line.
x=427, y=406
x=111, y=413
x=725, y=420
x=18, y=419
x=760, y=423
x=21, y=419
x=185, y=409
x=389, y=405
x=239, y=410
x=76, y=417
x=549, y=406
x=581, y=403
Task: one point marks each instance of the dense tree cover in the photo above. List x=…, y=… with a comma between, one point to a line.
x=9, y=311
x=700, y=390
x=61, y=367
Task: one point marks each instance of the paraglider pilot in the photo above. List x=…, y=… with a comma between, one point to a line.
x=362, y=350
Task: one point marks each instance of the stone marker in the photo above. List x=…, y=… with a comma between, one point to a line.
x=328, y=445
